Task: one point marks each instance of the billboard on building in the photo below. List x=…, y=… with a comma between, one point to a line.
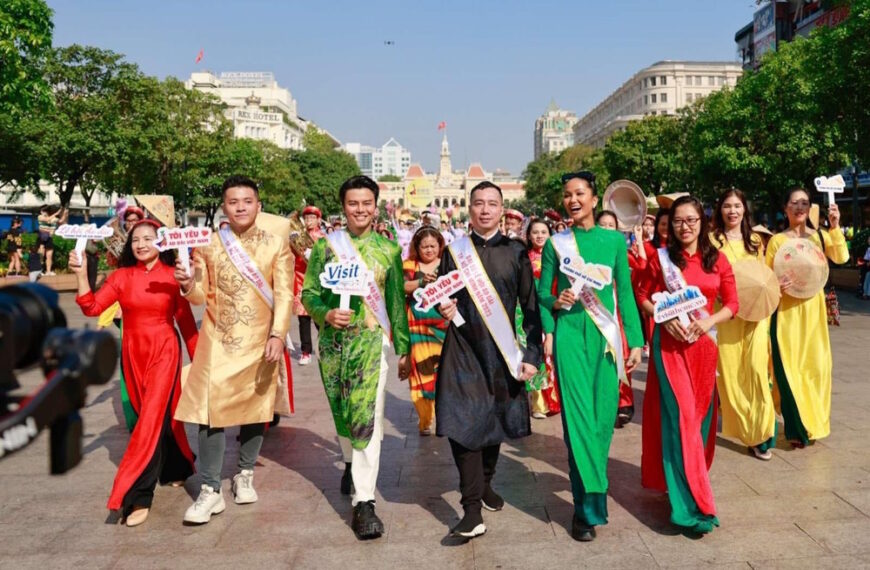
x=764, y=30
x=247, y=79
x=418, y=193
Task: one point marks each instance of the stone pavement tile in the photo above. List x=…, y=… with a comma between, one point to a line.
x=622, y=549
x=727, y=485
x=33, y=560
x=821, y=454
x=425, y=524
x=788, y=506
x=286, y=530
x=858, y=498
x=841, y=537
x=519, y=525
x=820, y=478
x=733, y=457
x=815, y=562
x=378, y=554
x=273, y=556
x=731, y=544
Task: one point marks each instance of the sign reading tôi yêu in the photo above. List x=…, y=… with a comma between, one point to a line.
x=440, y=291
x=182, y=239
x=82, y=233
x=582, y=274
x=678, y=304
x=346, y=279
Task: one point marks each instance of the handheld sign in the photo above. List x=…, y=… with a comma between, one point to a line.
x=678, y=304
x=182, y=239
x=830, y=186
x=82, y=233
x=582, y=274
x=439, y=292
x=345, y=279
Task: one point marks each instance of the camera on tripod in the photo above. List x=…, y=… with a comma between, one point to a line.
x=33, y=330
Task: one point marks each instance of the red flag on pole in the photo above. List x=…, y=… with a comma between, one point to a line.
x=442, y=125
x=198, y=56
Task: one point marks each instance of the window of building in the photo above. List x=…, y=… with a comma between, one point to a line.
x=644, y=82
x=663, y=80
x=652, y=81
x=653, y=98
x=646, y=99
x=721, y=80
x=699, y=80
x=664, y=98
x=689, y=97
x=711, y=81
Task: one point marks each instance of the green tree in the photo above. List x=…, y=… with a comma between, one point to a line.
x=322, y=173
x=315, y=140
x=389, y=178
x=25, y=45
x=281, y=182
x=543, y=176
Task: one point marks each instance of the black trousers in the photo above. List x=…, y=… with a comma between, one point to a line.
x=167, y=464
x=476, y=468
x=305, y=334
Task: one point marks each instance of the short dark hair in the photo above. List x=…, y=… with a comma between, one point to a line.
x=357, y=183
x=589, y=177
x=603, y=213
x=483, y=186
x=239, y=180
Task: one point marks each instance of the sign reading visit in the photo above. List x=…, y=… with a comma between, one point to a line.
x=346, y=279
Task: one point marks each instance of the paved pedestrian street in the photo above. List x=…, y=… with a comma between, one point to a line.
x=803, y=509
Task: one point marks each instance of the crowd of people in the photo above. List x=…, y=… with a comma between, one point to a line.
x=535, y=340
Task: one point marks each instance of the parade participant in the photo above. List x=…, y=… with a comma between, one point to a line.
x=311, y=217
x=50, y=217
x=481, y=394
x=651, y=247
x=513, y=223
x=13, y=247
x=588, y=347
x=447, y=233
x=545, y=399
x=427, y=327
x=560, y=227
x=649, y=227
x=679, y=409
x=245, y=280
x=353, y=343
x=801, y=345
x=746, y=399
x=149, y=295
x=625, y=408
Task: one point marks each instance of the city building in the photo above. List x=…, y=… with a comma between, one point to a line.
x=256, y=105
x=554, y=130
x=660, y=89
x=390, y=159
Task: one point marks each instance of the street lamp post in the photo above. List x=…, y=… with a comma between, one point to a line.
x=856, y=209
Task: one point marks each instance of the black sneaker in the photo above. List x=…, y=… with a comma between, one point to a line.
x=366, y=523
x=491, y=500
x=470, y=526
x=346, y=480
x=624, y=415
x=582, y=532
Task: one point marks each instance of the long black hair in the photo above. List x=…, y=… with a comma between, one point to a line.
x=749, y=244
x=127, y=258
x=787, y=198
x=532, y=222
x=709, y=254
x=659, y=215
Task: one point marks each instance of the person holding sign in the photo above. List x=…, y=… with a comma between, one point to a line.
x=679, y=408
x=427, y=326
x=588, y=343
x=748, y=412
x=245, y=279
x=800, y=343
x=354, y=339
x=146, y=290
x=480, y=391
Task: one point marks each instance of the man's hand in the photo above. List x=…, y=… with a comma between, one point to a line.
x=274, y=349
x=633, y=360
x=404, y=367
x=185, y=281
x=338, y=319
x=527, y=371
x=75, y=263
x=448, y=309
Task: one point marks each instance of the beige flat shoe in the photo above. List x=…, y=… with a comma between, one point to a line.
x=177, y=484
x=137, y=517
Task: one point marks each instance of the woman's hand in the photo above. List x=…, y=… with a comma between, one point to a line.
x=834, y=216
x=548, y=345
x=185, y=281
x=338, y=318
x=633, y=360
x=75, y=263
x=404, y=367
x=699, y=328
x=429, y=277
x=565, y=300
x=676, y=329
x=785, y=282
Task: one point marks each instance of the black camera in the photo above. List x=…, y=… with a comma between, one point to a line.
x=33, y=330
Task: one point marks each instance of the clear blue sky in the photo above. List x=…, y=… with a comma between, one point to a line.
x=487, y=68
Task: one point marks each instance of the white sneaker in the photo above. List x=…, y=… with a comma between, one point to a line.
x=305, y=359
x=243, y=487
x=208, y=503
x=539, y=415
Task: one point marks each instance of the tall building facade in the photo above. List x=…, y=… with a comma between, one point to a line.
x=390, y=159
x=554, y=130
x=660, y=89
x=257, y=106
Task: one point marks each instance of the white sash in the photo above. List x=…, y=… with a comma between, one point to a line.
x=566, y=246
x=488, y=302
x=343, y=247
x=246, y=266
x=675, y=281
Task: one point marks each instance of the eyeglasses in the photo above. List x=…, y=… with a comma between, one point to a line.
x=691, y=222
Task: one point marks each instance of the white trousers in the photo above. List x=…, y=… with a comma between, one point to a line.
x=364, y=463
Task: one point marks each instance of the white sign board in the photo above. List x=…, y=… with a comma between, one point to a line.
x=82, y=233
x=182, y=239
x=346, y=279
x=582, y=274
x=439, y=292
x=678, y=304
x=830, y=186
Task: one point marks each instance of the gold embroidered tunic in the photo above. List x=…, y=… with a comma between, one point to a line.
x=230, y=383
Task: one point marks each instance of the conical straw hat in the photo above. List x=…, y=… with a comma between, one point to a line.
x=161, y=208
x=804, y=263
x=757, y=290
x=666, y=200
